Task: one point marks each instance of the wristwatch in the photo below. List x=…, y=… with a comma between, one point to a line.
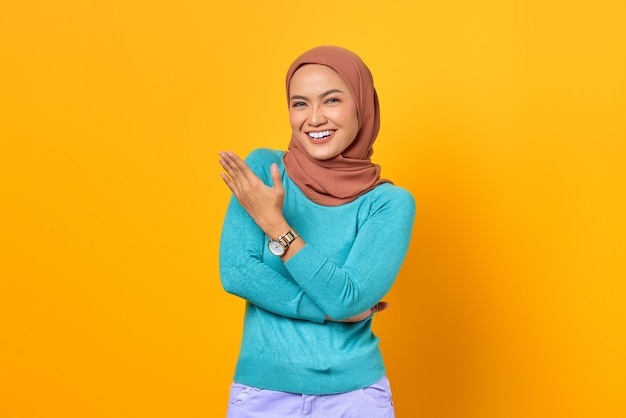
x=278, y=246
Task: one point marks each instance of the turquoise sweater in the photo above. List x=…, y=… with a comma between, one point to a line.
x=352, y=255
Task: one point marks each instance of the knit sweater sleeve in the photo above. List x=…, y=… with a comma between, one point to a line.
x=242, y=269
x=372, y=265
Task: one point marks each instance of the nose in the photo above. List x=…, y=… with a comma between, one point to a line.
x=317, y=117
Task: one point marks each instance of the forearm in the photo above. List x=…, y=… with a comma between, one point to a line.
x=244, y=273
x=339, y=292
x=368, y=272
x=280, y=297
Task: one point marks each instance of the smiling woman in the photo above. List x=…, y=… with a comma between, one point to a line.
x=322, y=111
x=312, y=291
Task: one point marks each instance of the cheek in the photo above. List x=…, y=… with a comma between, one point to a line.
x=349, y=119
x=347, y=113
x=295, y=120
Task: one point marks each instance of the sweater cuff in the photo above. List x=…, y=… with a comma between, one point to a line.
x=303, y=265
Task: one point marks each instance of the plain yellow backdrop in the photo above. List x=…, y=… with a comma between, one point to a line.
x=506, y=120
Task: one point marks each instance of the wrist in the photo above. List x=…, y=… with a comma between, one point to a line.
x=281, y=244
x=277, y=229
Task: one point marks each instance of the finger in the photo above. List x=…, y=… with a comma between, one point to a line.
x=240, y=166
x=276, y=178
x=228, y=178
x=228, y=183
x=380, y=306
x=231, y=167
x=242, y=182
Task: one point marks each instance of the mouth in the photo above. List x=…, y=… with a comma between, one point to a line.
x=321, y=136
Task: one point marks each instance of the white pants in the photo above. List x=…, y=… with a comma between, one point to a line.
x=371, y=402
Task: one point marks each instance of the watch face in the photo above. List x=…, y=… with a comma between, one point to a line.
x=276, y=247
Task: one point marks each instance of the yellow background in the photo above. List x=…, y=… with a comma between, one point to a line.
x=506, y=119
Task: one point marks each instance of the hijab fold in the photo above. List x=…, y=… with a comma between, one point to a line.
x=347, y=176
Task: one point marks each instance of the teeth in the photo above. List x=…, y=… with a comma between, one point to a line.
x=318, y=135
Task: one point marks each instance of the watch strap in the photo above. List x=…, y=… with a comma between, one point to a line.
x=288, y=238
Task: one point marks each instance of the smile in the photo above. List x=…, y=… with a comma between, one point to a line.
x=320, y=135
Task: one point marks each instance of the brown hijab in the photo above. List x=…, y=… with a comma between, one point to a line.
x=345, y=177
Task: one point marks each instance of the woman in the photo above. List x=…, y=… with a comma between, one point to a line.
x=312, y=240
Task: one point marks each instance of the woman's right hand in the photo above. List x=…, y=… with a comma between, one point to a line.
x=263, y=203
x=380, y=306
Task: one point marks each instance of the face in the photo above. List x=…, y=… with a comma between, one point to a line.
x=322, y=112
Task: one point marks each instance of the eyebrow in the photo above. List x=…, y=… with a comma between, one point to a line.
x=326, y=93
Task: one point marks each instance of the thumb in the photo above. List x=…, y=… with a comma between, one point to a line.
x=276, y=178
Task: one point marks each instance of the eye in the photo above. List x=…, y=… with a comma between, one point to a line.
x=333, y=100
x=298, y=104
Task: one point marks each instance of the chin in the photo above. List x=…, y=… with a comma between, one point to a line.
x=321, y=156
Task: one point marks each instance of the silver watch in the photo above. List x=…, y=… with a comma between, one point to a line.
x=278, y=246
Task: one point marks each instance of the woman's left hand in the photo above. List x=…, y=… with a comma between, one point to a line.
x=263, y=203
x=380, y=306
